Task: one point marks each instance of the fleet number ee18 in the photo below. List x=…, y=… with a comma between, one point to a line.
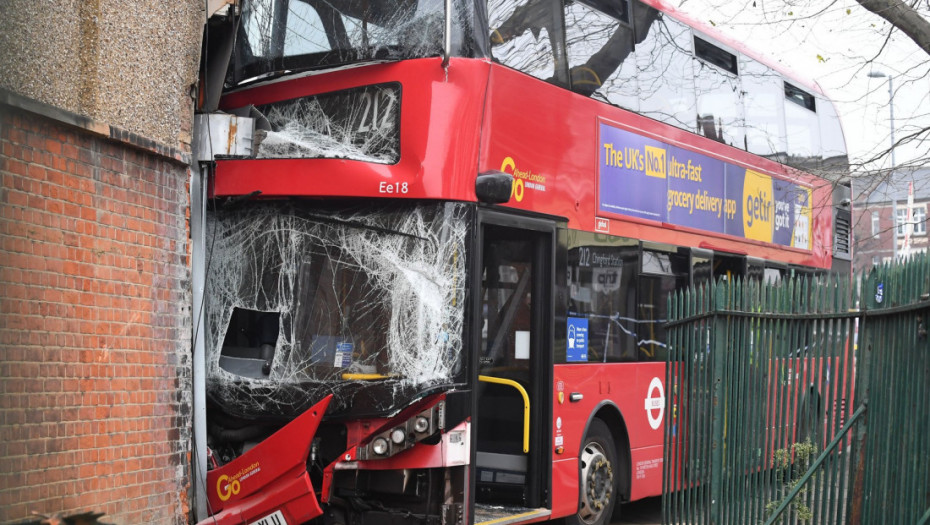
x=393, y=187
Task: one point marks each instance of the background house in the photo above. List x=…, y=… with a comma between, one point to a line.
x=880, y=211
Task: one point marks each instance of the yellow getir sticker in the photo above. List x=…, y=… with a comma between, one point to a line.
x=758, y=206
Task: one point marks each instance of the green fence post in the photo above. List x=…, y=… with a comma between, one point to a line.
x=864, y=366
x=718, y=356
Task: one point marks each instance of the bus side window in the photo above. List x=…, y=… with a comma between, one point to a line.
x=764, y=109
x=600, y=55
x=803, y=127
x=718, y=90
x=662, y=274
x=755, y=269
x=666, y=47
x=526, y=35
x=602, y=291
x=702, y=268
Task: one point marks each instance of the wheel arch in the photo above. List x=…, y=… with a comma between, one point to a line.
x=610, y=414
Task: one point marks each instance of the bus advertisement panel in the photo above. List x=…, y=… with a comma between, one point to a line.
x=649, y=179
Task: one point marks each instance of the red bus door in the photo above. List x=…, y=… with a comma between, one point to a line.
x=514, y=349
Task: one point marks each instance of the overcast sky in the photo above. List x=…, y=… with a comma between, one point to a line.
x=837, y=44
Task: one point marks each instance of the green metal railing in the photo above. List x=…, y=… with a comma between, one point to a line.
x=892, y=483
x=778, y=416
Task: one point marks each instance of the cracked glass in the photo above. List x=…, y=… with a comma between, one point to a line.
x=359, y=124
x=278, y=37
x=365, y=303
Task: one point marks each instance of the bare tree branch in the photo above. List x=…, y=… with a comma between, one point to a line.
x=904, y=18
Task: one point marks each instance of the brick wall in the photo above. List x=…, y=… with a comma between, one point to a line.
x=94, y=325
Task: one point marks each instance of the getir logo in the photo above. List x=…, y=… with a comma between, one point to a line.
x=758, y=206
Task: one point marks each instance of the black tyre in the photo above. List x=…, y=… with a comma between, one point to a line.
x=598, y=469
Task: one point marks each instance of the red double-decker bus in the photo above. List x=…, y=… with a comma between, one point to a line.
x=439, y=254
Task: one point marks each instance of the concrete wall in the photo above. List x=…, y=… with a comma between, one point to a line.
x=127, y=63
x=95, y=292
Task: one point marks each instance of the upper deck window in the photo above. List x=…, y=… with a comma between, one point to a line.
x=715, y=55
x=764, y=108
x=600, y=46
x=803, y=129
x=665, y=70
x=718, y=91
x=799, y=97
x=618, y=10
x=278, y=37
x=831, y=135
x=527, y=36
x=305, y=31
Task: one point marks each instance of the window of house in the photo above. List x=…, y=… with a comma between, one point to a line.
x=918, y=219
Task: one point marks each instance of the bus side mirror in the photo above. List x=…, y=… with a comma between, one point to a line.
x=494, y=187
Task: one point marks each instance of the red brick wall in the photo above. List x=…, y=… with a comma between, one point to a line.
x=94, y=325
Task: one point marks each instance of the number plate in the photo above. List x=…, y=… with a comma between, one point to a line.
x=276, y=518
x=361, y=123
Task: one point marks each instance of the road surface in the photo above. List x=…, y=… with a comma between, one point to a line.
x=644, y=512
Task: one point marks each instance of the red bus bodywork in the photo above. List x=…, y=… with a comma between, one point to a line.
x=471, y=119
x=474, y=117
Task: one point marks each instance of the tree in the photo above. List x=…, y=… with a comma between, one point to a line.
x=837, y=43
x=844, y=45
x=903, y=17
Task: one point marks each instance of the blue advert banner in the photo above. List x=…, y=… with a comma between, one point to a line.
x=649, y=179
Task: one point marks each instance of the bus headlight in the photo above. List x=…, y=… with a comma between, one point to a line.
x=405, y=434
x=379, y=446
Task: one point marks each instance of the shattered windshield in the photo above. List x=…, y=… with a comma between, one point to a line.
x=366, y=303
x=360, y=124
x=276, y=36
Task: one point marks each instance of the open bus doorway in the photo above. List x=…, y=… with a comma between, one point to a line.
x=512, y=460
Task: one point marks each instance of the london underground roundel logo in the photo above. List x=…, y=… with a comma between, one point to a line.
x=655, y=403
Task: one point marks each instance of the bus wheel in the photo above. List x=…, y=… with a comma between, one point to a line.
x=598, y=484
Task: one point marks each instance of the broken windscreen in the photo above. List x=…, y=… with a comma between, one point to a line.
x=280, y=36
x=306, y=301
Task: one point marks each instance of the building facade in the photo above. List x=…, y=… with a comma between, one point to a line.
x=95, y=273
x=890, y=218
